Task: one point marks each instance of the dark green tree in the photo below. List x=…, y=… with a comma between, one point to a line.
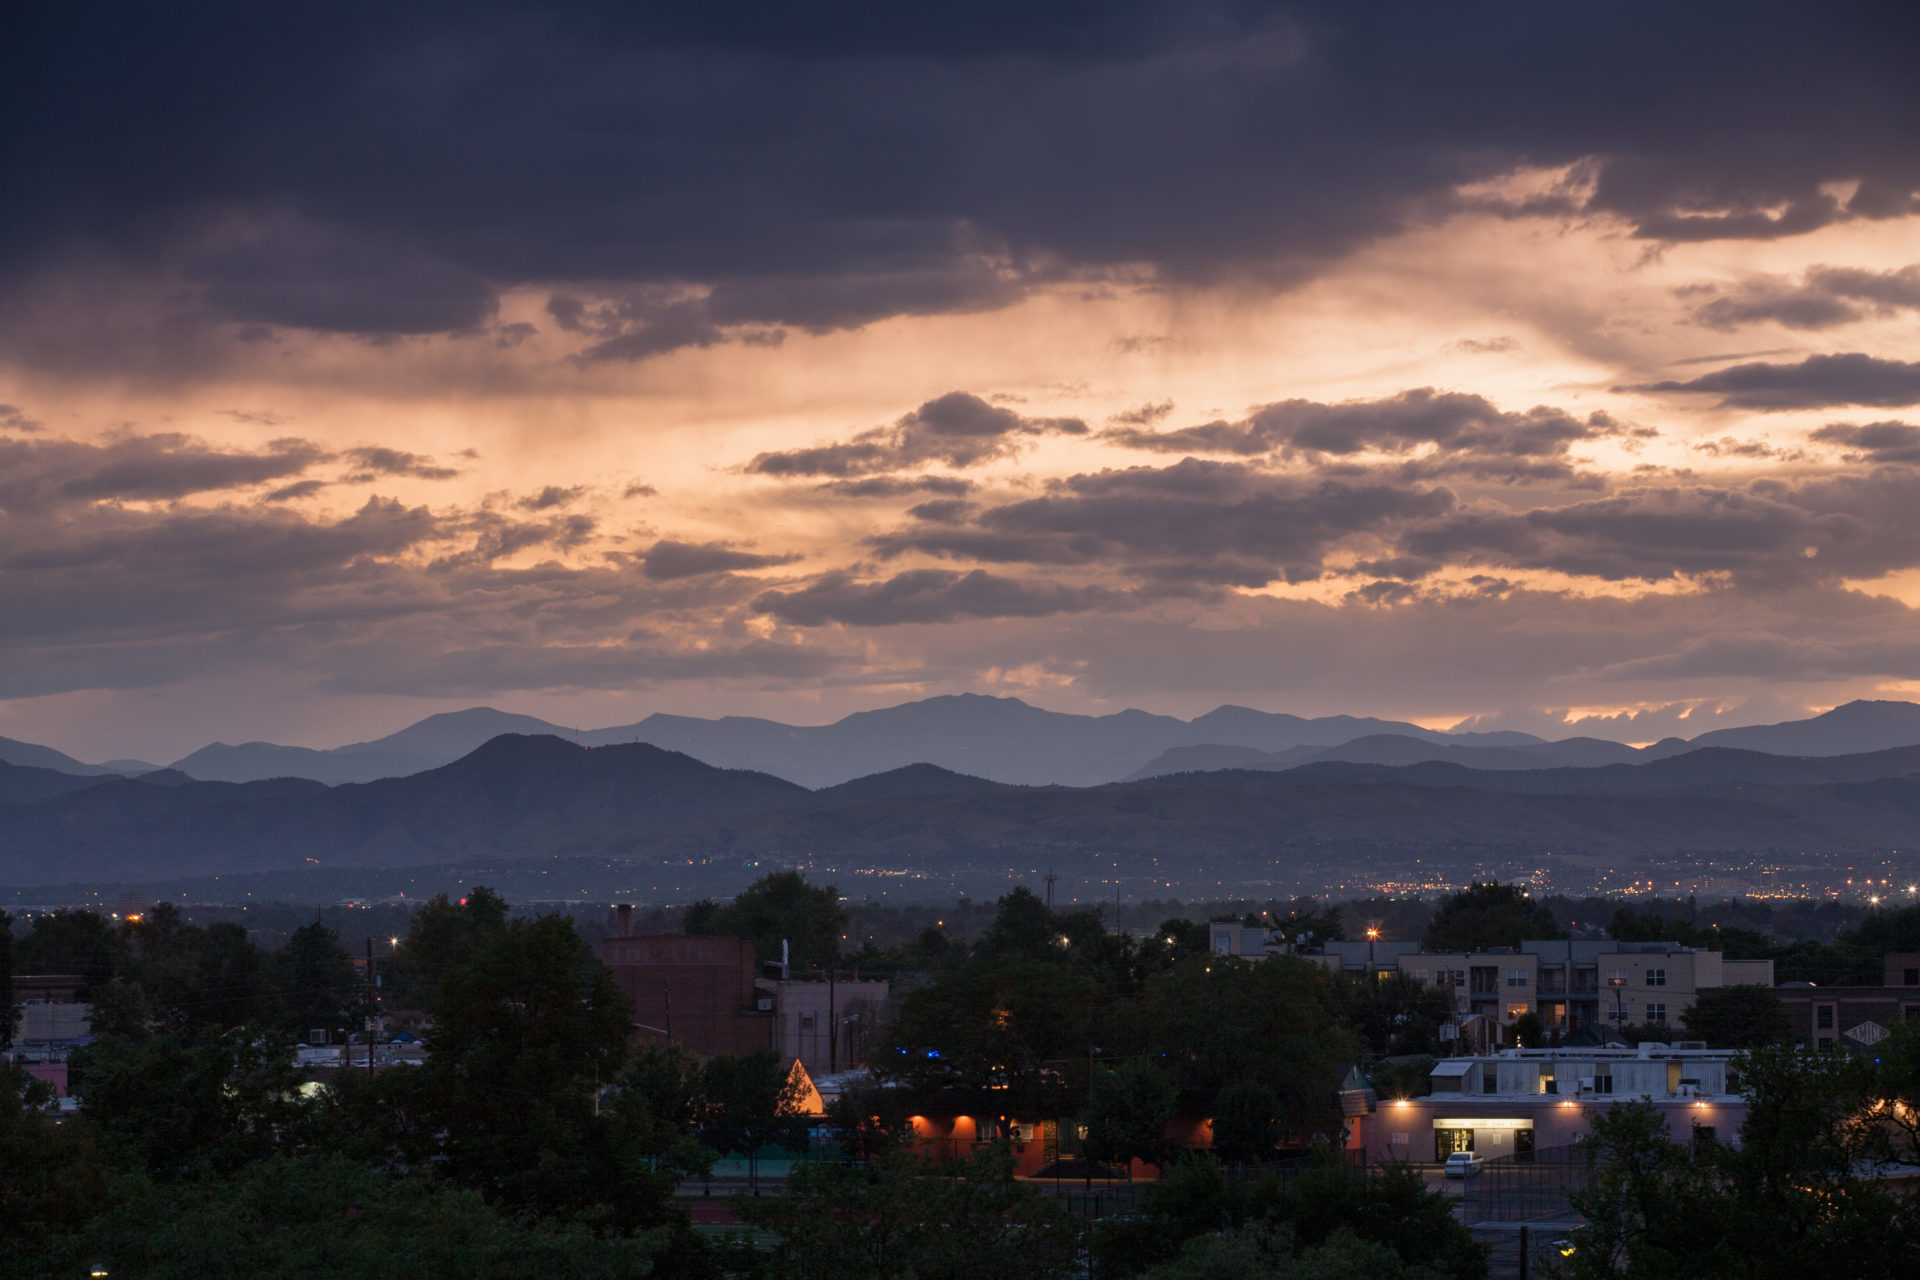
x=1127, y=1113
x=523, y=1038
x=777, y=908
x=445, y=935
x=314, y=978
x=749, y=1101
x=1246, y=1122
x=1489, y=915
x=966, y=1221
x=76, y=942
x=1737, y=1017
x=213, y=978
x=1218, y=1021
x=179, y=1106
x=1884, y=931
x=120, y=1009
x=51, y=1179
x=322, y=1216
x=9, y=1012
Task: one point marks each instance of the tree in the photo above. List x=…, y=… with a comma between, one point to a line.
x=1489, y=915
x=9, y=1012
x=1390, y=1207
x=213, y=978
x=1884, y=931
x=300, y=1218
x=1127, y=1113
x=1528, y=1031
x=51, y=1180
x=1212, y=1022
x=523, y=1038
x=966, y=1220
x=178, y=1106
x=444, y=936
x=314, y=978
x=1737, y=1017
x=747, y=1102
x=1246, y=1122
x=77, y=942
x=777, y=908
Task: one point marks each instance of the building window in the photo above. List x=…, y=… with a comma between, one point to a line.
x=1911, y=977
x=1516, y=977
x=806, y=1021
x=1823, y=1017
x=1656, y=1012
x=1824, y=1043
x=1656, y=977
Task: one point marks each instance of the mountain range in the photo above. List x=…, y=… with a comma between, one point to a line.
x=1007, y=740
x=539, y=796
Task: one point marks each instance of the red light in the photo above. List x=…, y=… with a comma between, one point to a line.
x=463, y=902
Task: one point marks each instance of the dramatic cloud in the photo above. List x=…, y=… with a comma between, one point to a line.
x=958, y=429
x=826, y=171
x=43, y=473
x=341, y=350
x=925, y=596
x=1815, y=383
x=667, y=559
x=1823, y=298
x=1193, y=522
x=1874, y=442
x=1466, y=433
x=378, y=461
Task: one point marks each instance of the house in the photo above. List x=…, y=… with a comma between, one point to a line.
x=1855, y=1018
x=1516, y=1101
x=1577, y=987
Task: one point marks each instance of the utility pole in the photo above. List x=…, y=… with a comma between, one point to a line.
x=833, y=1025
x=1050, y=879
x=369, y=1007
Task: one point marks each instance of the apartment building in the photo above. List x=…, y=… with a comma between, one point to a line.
x=1519, y=1100
x=1855, y=1019
x=1577, y=985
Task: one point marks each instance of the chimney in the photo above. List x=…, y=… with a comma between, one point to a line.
x=623, y=920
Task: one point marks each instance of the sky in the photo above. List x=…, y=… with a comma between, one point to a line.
x=1521, y=366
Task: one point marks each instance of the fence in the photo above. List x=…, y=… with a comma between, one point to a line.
x=1533, y=1186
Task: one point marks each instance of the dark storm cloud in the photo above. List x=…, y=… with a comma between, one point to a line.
x=1816, y=382
x=1874, y=442
x=719, y=177
x=958, y=429
x=495, y=668
x=897, y=486
x=1469, y=436
x=1768, y=535
x=1823, y=298
x=926, y=596
x=378, y=460
x=1195, y=521
x=13, y=419
x=308, y=277
x=1771, y=656
x=668, y=559
x=43, y=473
x=550, y=497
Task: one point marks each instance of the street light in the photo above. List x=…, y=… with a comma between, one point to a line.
x=1373, y=935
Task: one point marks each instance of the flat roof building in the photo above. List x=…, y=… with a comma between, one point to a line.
x=1518, y=1100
